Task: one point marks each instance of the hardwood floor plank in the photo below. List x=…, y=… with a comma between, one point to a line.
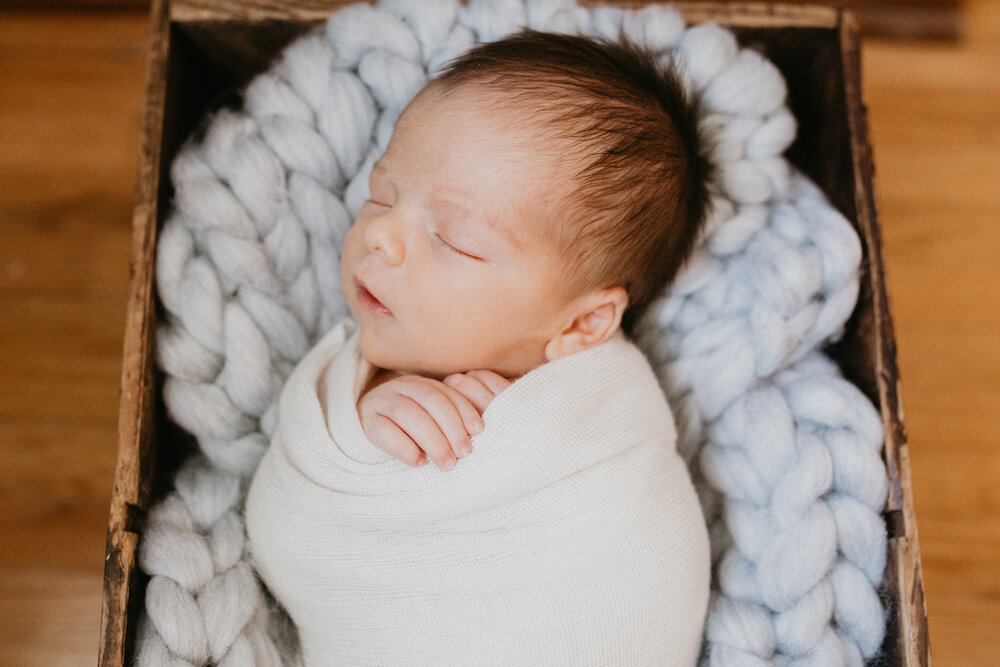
x=69, y=127
x=933, y=110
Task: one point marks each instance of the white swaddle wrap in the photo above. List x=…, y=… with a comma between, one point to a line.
x=571, y=535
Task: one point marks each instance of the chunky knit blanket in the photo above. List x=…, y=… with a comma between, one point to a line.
x=783, y=451
x=571, y=535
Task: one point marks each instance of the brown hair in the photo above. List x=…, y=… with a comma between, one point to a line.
x=637, y=204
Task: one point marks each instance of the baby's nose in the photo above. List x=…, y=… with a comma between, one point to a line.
x=384, y=235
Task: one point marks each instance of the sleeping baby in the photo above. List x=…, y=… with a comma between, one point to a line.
x=534, y=198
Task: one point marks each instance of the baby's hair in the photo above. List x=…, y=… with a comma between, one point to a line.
x=636, y=207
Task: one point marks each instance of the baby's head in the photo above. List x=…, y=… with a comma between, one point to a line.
x=533, y=198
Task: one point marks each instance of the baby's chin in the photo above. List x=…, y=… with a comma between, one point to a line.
x=393, y=357
x=406, y=361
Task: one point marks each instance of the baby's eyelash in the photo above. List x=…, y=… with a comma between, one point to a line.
x=453, y=248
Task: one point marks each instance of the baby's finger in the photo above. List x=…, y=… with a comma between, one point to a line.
x=472, y=388
x=442, y=404
x=393, y=440
x=493, y=381
x=466, y=410
x=411, y=416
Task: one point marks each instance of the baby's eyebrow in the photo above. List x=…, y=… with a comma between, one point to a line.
x=438, y=199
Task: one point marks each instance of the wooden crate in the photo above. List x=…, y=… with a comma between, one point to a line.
x=199, y=50
x=921, y=19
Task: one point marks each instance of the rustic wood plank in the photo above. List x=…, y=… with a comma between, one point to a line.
x=741, y=13
x=921, y=19
x=938, y=19
x=909, y=621
x=136, y=437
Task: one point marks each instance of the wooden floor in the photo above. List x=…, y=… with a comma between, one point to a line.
x=70, y=93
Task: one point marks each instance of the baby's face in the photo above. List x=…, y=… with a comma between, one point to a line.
x=450, y=243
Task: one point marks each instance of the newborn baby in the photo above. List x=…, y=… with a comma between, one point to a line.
x=533, y=199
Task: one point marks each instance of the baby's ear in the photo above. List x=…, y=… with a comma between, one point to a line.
x=594, y=319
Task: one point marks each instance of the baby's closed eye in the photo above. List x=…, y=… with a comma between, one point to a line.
x=454, y=249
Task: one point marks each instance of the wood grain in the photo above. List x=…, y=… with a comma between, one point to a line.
x=732, y=12
x=901, y=18
x=69, y=127
x=219, y=44
x=933, y=111
x=907, y=622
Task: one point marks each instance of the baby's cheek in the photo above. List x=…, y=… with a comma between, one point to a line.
x=349, y=255
x=350, y=239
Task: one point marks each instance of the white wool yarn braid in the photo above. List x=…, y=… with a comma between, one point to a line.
x=784, y=451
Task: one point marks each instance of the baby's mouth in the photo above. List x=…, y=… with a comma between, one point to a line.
x=368, y=300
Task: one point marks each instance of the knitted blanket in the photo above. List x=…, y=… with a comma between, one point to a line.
x=571, y=534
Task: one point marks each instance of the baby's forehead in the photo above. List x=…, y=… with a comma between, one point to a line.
x=515, y=132
x=504, y=123
x=527, y=114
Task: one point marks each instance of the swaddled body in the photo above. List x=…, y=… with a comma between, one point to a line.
x=571, y=535
x=531, y=202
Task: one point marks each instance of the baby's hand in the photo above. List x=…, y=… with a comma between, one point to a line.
x=411, y=415
x=480, y=387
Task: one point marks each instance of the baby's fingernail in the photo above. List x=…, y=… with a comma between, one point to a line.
x=477, y=426
x=448, y=463
x=465, y=447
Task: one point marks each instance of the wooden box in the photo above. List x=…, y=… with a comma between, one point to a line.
x=199, y=50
